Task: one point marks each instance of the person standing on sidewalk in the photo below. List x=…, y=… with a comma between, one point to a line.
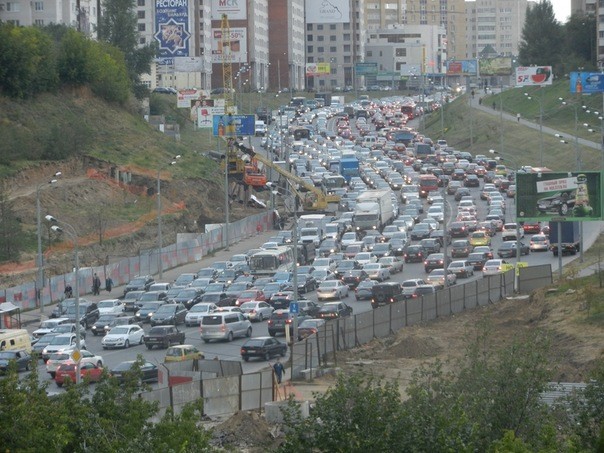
x=518, y=116
x=278, y=370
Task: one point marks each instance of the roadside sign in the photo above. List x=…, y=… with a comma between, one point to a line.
x=294, y=307
x=519, y=265
x=76, y=356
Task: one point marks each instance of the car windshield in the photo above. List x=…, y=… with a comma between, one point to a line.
x=106, y=304
x=124, y=366
x=328, y=307
x=137, y=282
x=329, y=284
x=187, y=293
x=119, y=331
x=371, y=267
x=105, y=318
x=61, y=340
x=199, y=308
x=248, y=306
x=151, y=306
x=58, y=356
x=166, y=309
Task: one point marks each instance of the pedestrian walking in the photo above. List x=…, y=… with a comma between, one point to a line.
x=479, y=101
x=96, y=285
x=278, y=369
x=108, y=284
x=518, y=116
x=494, y=105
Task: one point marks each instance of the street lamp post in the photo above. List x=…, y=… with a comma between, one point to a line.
x=64, y=227
x=159, y=226
x=40, y=258
x=540, y=101
x=518, y=249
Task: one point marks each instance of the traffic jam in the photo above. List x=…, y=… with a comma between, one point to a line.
x=408, y=216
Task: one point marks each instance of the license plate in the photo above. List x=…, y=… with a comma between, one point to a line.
x=251, y=350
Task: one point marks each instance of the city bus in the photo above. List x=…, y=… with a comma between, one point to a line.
x=268, y=262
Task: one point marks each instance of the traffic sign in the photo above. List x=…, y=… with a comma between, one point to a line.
x=294, y=308
x=76, y=356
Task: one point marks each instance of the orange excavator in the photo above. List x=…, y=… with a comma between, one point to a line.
x=254, y=176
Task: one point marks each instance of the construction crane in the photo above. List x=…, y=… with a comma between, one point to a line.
x=313, y=200
x=234, y=165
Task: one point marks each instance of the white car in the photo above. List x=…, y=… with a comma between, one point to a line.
x=377, y=271
x=349, y=238
x=324, y=263
x=332, y=289
x=493, y=267
x=198, y=311
x=123, y=336
x=509, y=232
x=60, y=358
x=110, y=307
x=437, y=278
x=539, y=242
x=437, y=213
x=48, y=325
x=257, y=310
x=365, y=258
x=62, y=342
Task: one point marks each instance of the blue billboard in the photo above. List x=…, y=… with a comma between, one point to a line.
x=362, y=69
x=172, y=29
x=233, y=125
x=586, y=82
x=462, y=67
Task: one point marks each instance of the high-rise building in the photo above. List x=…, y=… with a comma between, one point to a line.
x=79, y=14
x=335, y=41
x=450, y=14
x=496, y=25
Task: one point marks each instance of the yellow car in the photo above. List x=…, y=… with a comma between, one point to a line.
x=182, y=352
x=480, y=238
x=501, y=170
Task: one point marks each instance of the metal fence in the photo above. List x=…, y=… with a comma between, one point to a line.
x=188, y=248
x=225, y=389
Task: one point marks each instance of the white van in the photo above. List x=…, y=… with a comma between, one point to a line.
x=14, y=339
x=369, y=141
x=224, y=326
x=260, y=128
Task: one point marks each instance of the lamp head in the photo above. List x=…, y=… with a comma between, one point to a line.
x=56, y=228
x=50, y=218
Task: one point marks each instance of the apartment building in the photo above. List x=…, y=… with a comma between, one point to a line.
x=336, y=37
x=495, y=24
x=80, y=14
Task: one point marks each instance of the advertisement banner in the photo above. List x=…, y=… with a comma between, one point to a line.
x=205, y=116
x=327, y=11
x=172, y=29
x=188, y=64
x=186, y=95
x=362, y=69
x=567, y=196
x=233, y=125
x=495, y=66
x=234, y=9
x=586, y=82
x=238, y=43
x=317, y=69
x=533, y=75
x=462, y=67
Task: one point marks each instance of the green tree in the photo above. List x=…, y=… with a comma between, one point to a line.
x=358, y=414
x=118, y=27
x=580, y=42
x=74, y=60
x=27, y=61
x=540, y=43
x=111, y=81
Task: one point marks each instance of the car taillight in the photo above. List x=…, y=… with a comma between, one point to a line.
x=270, y=322
x=288, y=321
x=223, y=328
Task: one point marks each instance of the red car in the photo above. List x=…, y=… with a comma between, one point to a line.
x=249, y=295
x=532, y=227
x=67, y=371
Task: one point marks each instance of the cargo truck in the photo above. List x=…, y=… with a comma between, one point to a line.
x=312, y=227
x=349, y=168
x=373, y=210
x=570, y=238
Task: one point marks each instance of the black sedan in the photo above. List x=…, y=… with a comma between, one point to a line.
x=414, y=254
x=306, y=283
x=189, y=297
x=353, y=278
x=460, y=248
x=98, y=328
x=477, y=260
x=148, y=371
x=332, y=310
x=508, y=249
x=263, y=347
x=20, y=358
x=434, y=261
x=169, y=314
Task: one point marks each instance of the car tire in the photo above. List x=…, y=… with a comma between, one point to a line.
x=59, y=384
x=249, y=332
x=230, y=337
x=166, y=345
x=282, y=353
x=126, y=344
x=149, y=347
x=260, y=317
x=272, y=334
x=267, y=356
x=142, y=340
x=99, y=364
x=246, y=359
x=205, y=340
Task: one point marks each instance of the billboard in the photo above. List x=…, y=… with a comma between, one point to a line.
x=462, y=67
x=568, y=196
x=234, y=9
x=172, y=29
x=586, y=82
x=205, y=116
x=188, y=64
x=499, y=66
x=317, y=69
x=233, y=125
x=238, y=43
x=186, y=97
x=327, y=11
x=533, y=75
x=362, y=69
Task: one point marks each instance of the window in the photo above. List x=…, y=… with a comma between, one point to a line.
x=39, y=22
x=141, y=14
x=39, y=6
x=140, y=2
x=320, y=49
x=346, y=47
x=332, y=38
x=320, y=38
x=319, y=27
x=309, y=38
x=333, y=49
x=141, y=27
x=13, y=7
x=370, y=53
x=401, y=52
x=309, y=49
x=347, y=26
x=332, y=27
x=346, y=36
x=308, y=27
x=142, y=40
